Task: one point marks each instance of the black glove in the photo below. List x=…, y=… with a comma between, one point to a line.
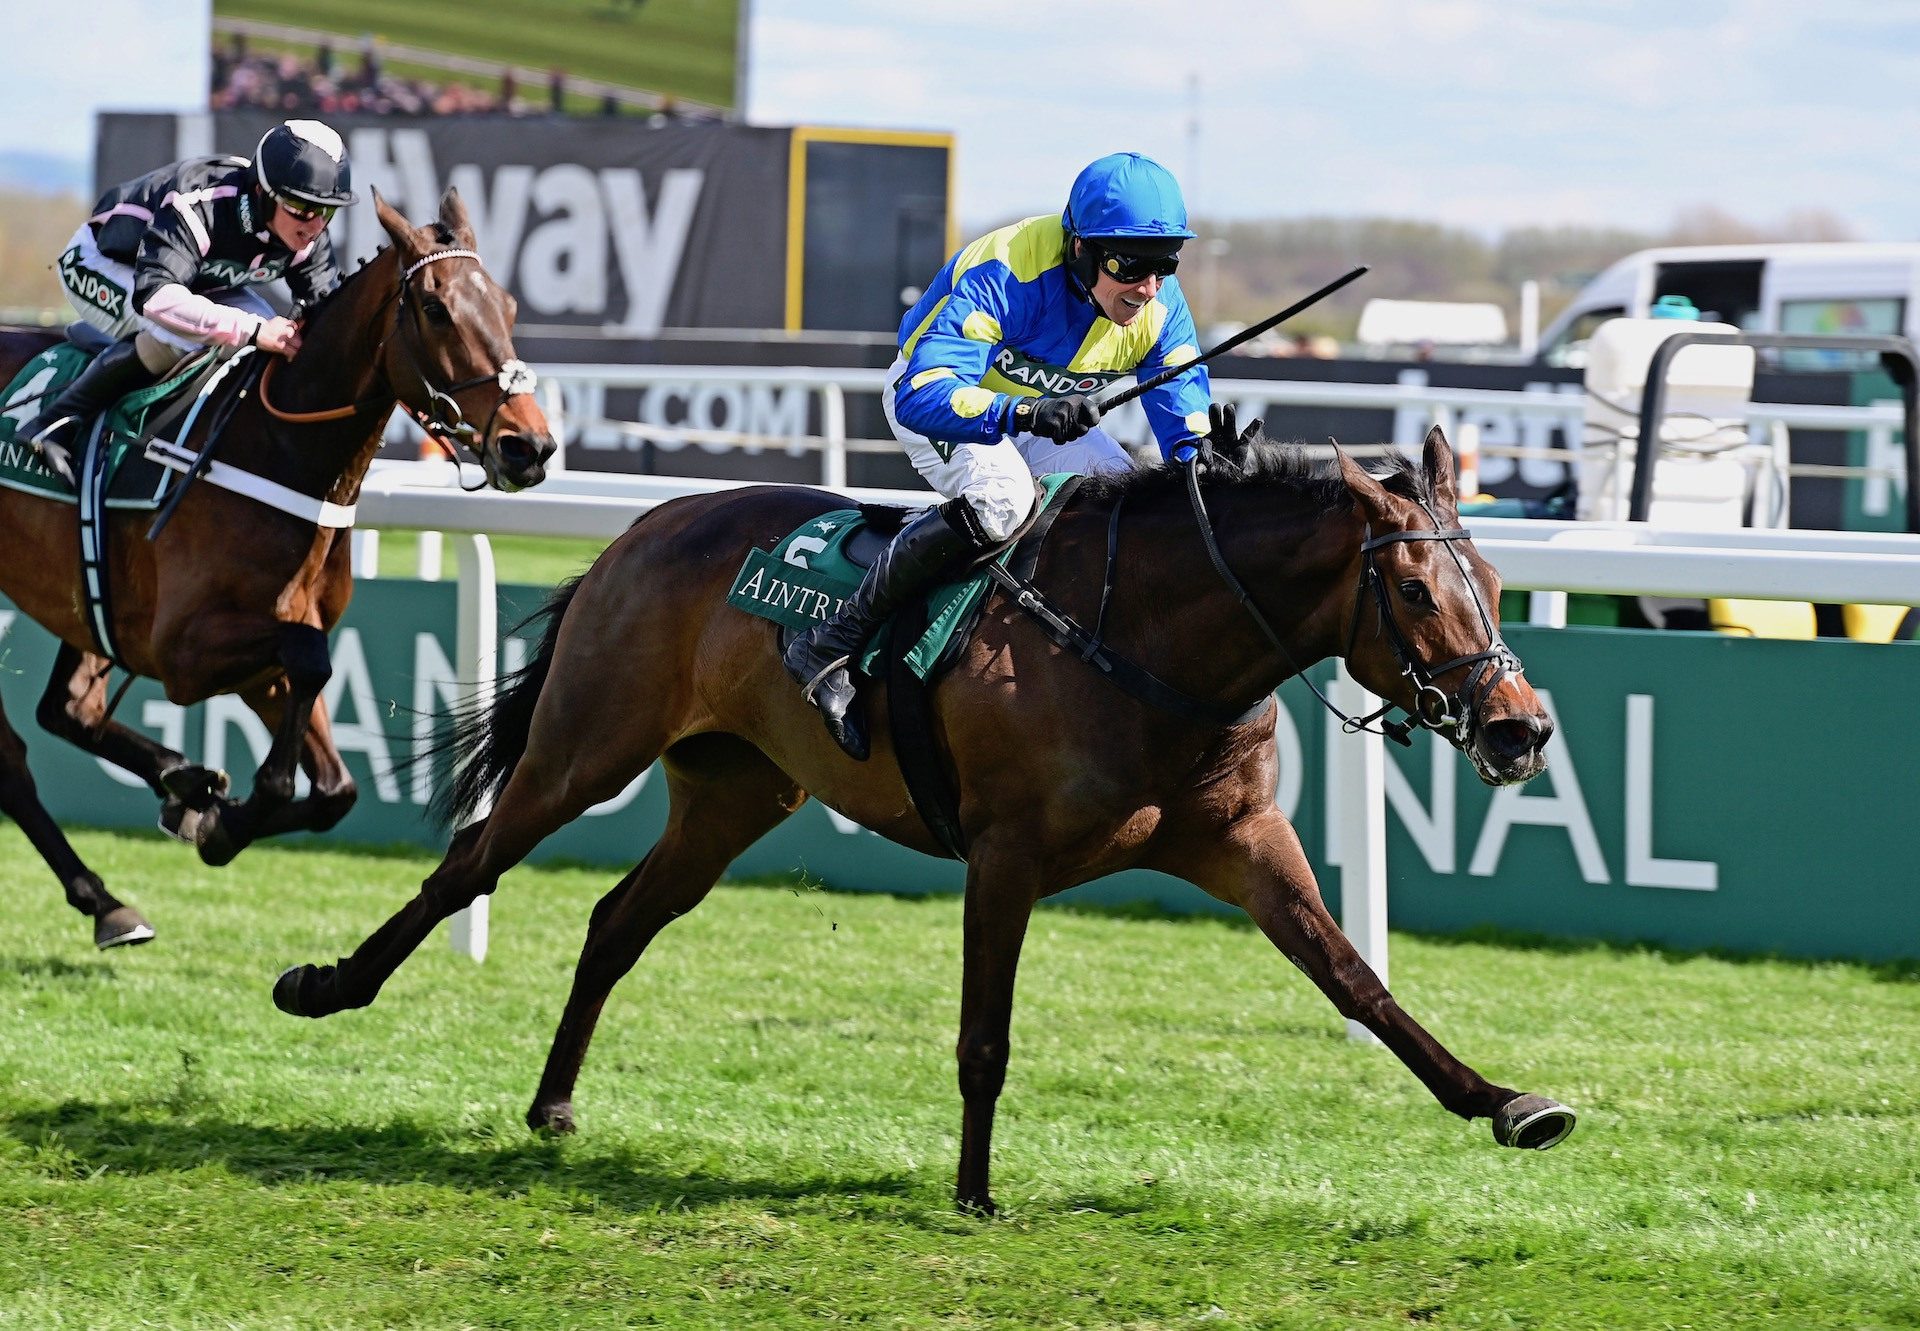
x=1224, y=433
x=1061, y=419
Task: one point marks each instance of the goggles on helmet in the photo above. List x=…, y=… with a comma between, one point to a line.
x=1128, y=269
x=301, y=211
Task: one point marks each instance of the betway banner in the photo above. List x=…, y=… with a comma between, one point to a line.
x=1672, y=811
x=594, y=224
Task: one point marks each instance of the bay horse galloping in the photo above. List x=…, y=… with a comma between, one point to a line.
x=1061, y=777
x=235, y=596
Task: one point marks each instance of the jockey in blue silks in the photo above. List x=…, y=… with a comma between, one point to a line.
x=999, y=362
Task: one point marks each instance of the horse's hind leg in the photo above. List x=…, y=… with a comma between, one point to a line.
x=74, y=708
x=725, y=795
x=581, y=758
x=115, y=924
x=1258, y=865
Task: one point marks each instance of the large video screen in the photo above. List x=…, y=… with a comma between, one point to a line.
x=423, y=57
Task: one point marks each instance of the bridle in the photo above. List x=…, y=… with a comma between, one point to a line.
x=444, y=421
x=1456, y=716
x=1434, y=708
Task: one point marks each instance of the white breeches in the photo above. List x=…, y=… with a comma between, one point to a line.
x=996, y=479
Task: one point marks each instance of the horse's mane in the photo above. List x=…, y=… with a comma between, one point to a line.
x=1264, y=464
x=319, y=307
x=442, y=234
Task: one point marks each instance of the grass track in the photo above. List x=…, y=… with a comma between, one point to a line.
x=769, y=1125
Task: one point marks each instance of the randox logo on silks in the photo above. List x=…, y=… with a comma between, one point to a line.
x=229, y=273
x=91, y=287
x=1051, y=380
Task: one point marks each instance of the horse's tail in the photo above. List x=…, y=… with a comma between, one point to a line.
x=486, y=741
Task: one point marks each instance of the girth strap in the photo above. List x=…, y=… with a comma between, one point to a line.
x=96, y=591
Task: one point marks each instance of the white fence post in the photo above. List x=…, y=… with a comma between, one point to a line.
x=833, y=435
x=476, y=665
x=365, y=552
x=432, y=547
x=1357, y=831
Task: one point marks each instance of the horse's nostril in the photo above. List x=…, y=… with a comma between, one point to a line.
x=1519, y=734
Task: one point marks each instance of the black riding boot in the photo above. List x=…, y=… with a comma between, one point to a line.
x=113, y=374
x=821, y=659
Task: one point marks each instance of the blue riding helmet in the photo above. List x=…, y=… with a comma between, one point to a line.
x=1127, y=203
x=1125, y=194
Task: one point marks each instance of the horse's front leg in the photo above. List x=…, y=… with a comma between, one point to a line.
x=332, y=790
x=999, y=902
x=230, y=827
x=1257, y=864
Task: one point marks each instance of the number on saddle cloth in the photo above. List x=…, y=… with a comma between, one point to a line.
x=805, y=577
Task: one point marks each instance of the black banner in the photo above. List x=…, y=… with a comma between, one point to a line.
x=602, y=225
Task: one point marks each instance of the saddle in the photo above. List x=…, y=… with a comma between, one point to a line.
x=110, y=452
x=114, y=469
x=802, y=580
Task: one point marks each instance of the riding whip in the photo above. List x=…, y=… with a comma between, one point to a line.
x=1119, y=399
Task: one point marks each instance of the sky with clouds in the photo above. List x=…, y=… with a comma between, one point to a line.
x=1477, y=113
x=1481, y=113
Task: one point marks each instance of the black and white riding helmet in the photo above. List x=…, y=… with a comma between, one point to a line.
x=306, y=161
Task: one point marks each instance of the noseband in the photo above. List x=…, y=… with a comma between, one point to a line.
x=1454, y=716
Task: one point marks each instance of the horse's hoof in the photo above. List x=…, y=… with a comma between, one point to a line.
x=1532, y=1123
x=182, y=823
x=217, y=841
x=286, y=991
x=554, y=1120
x=121, y=927
x=981, y=1206
x=196, y=787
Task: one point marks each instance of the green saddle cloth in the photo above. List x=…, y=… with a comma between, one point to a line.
x=132, y=480
x=804, y=578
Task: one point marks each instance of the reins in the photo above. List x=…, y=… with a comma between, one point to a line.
x=1434, y=709
x=1445, y=710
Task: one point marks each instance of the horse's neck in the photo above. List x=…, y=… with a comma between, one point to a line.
x=1295, y=560
x=339, y=364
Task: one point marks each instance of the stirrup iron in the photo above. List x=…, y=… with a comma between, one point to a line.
x=811, y=686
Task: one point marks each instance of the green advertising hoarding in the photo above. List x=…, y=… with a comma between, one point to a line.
x=1703, y=792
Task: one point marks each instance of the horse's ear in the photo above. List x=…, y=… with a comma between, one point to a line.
x=1368, y=494
x=1438, y=461
x=453, y=214
x=396, y=226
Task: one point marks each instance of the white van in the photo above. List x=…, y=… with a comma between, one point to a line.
x=1783, y=288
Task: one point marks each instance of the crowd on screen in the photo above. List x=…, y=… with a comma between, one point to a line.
x=327, y=83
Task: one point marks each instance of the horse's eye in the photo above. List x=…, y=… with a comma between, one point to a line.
x=1415, y=594
x=436, y=312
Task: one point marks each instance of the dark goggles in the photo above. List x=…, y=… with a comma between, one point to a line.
x=1131, y=268
x=301, y=211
